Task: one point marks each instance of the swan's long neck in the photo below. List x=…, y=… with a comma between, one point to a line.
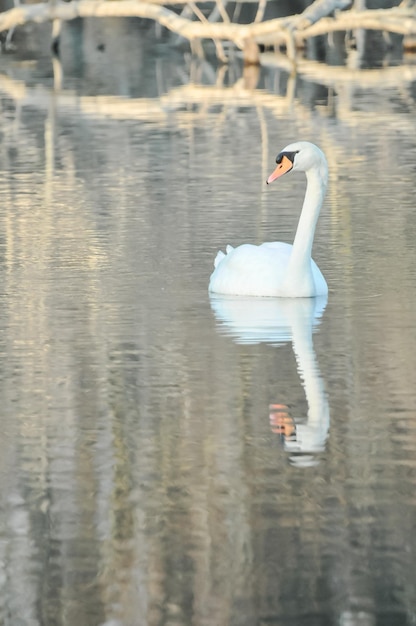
x=300, y=270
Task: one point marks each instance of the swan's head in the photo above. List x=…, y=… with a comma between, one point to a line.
x=302, y=156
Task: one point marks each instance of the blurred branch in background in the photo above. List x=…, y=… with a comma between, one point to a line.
x=320, y=18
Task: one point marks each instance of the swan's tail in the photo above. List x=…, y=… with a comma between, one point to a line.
x=221, y=255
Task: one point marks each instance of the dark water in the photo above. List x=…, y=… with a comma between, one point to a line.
x=170, y=459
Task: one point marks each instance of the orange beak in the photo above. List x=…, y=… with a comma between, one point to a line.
x=284, y=166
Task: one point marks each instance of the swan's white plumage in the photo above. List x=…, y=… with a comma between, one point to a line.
x=252, y=270
x=276, y=268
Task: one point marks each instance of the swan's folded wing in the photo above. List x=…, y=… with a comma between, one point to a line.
x=219, y=258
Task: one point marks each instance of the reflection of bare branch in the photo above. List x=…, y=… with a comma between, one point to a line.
x=192, y=101
x=155, y=109
x=333, y=76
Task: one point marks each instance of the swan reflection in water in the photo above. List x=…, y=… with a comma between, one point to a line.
x=275, y=321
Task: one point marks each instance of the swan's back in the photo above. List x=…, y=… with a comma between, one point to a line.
x=256, y=270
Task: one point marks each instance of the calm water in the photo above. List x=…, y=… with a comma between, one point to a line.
x=167, y=459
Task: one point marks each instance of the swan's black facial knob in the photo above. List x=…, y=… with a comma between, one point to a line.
x=289, y=155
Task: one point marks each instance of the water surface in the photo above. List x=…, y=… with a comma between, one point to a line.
x=167, y=458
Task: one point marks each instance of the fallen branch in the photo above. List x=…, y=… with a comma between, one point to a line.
x=317, y=10
x=237, y=33
x=400, y=21
x=133, y=8
x=290, y=30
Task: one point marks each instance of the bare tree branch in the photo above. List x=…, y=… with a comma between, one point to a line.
x=290, y=30
x=136, y=8
x=321, y=8
x=399, y=21
x=260, y=11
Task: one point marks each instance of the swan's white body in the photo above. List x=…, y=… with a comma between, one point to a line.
x=275, y=268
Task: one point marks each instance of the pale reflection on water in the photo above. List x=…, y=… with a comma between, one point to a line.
x=275, y=321
x=143, y=477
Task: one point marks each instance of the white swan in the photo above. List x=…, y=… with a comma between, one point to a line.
x=275, y=268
